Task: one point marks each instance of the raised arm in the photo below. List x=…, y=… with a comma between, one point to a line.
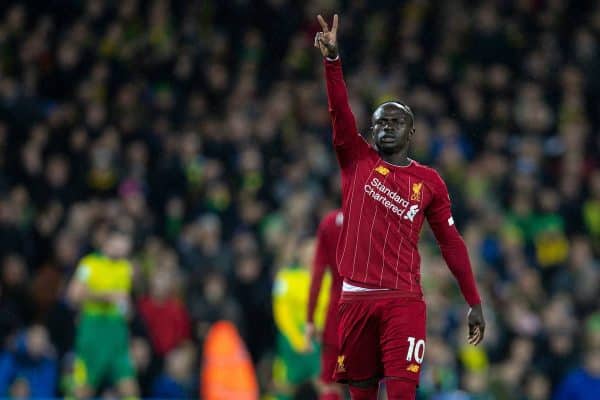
x=346, y=137
x=455, y=254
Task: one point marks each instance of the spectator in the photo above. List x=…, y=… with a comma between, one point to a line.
x=146, y=368
x=209, y=302
x=584, y=382
x=176, y=381
x=15, y=292
x=537, y=386
x=30, y=369
x=164, y=314
x=251, y=289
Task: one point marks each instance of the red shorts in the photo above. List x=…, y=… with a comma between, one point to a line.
x=329, y=354
x=381, y=335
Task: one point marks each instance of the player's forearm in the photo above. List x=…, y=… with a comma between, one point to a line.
x=97, y=297
x=315, y=287
x=337, y=94
x=103, y=297
x=342, y=118
x=456, y=256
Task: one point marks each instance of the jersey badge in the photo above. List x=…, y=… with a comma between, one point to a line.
x=416, y=191
x=340, y=363
x=413, y=368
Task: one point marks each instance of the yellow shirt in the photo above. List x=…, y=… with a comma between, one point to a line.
x=290, y=303
x=103, y=275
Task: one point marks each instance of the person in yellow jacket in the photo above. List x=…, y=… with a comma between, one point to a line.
x=296, y=360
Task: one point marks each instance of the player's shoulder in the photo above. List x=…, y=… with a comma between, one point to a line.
x=427, y=173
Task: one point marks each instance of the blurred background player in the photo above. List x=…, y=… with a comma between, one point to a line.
x=386, y=198
x=297, y=358
x=100, y=288
x=324, y=263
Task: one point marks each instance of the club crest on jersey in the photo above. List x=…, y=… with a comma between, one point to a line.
x=340, y=363
x=382, y=170
x=416, y=191
x=413, y=368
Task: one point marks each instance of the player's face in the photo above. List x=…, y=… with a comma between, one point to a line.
x=117, y=245
x=392, y=128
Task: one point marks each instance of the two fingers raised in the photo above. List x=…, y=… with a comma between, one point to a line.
x=325, y=27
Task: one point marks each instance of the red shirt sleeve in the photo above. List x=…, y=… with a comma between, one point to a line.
x=346, y=139
x=318, y=270
x=451, y=244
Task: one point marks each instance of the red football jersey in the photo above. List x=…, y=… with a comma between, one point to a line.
x=384, y=206
x=327, y=239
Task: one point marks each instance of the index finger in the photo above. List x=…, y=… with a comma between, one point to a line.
x=334, y=27
x=323, y=23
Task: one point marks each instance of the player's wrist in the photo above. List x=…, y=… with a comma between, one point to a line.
x=332, y=54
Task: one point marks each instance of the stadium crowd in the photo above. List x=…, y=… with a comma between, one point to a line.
x=201, y=127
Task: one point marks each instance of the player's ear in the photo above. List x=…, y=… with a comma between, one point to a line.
x=372, y=136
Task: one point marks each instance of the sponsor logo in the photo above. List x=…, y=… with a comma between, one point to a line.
x=450, y=221
x=413, y=368
x=382, y=170
x=416, y=191
x=391, y=199
x=412, y=211
x=340, y=363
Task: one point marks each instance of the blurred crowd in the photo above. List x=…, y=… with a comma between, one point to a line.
x=201, y=127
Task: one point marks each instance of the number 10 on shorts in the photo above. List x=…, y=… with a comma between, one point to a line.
x=416, y=350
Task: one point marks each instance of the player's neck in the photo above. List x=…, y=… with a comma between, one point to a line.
x=399, y=158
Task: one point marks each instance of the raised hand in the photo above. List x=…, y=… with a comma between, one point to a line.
x=476, y=325
x=326, y=40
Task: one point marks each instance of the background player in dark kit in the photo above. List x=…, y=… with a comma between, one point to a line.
x=328, y=234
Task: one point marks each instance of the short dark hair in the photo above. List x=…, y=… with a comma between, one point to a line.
x=404, y=107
